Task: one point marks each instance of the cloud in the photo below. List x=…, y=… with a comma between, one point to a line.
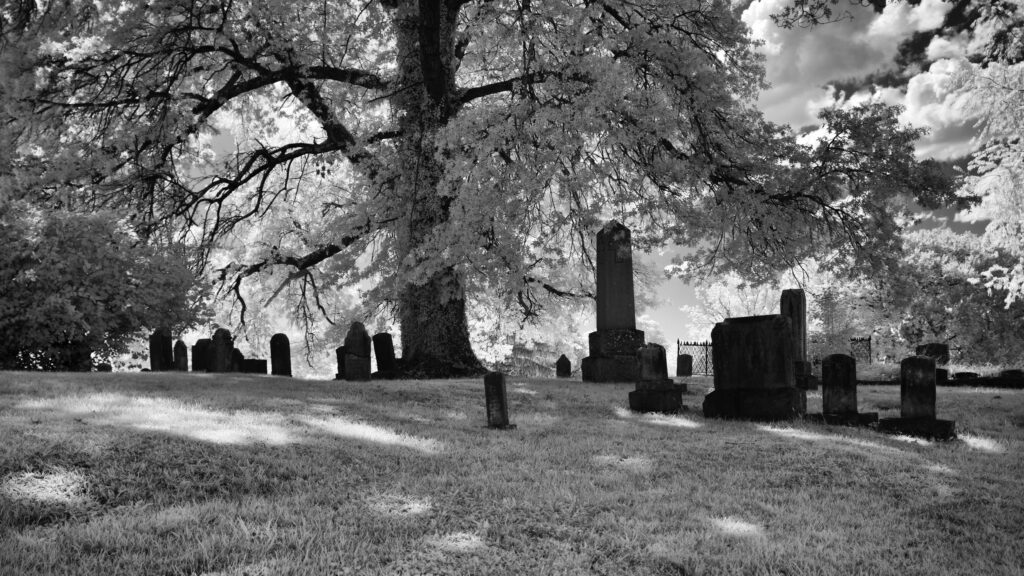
x=931, y=102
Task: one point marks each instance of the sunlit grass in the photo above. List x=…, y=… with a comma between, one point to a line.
x=182, y=474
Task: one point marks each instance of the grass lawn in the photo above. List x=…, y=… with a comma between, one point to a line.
x=164, y=474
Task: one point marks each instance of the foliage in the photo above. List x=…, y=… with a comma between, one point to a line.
x=468, y=144
x=79, y=284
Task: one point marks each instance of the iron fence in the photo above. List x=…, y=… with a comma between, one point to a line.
x=701, y=354
x=860, y=349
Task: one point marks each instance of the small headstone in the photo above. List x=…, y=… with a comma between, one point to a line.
x=384, y=350
x=684, y=365
x=280, y=355
x=201, y=355
x=254, y=366
x=941, y=376
x=496, y=399
x=104, y=367
x=839, y=392
x=563, y=367
x=655, y=391
x=1012, y=373
x=340, y=353
x=161, y=355
x=357, y=353
x=937, y=351
x=917, y=402
x=964, y=375
x=221, y=347
x=237, y=360
x=180, y=356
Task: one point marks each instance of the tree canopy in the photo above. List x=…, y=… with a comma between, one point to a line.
x=435, y=149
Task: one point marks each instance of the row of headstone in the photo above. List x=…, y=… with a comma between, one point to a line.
x=353, y=356
x=839, y=393
x=216, y=354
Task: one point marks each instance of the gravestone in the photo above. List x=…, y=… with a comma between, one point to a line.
x=280, y=355
x=793, y=305
x=496, y=399
x=221, y=346
x=754, y=370
x=161, y=356
x=684, y=365
x=936, y=351
x=839, y=392
x=357, y=353
x=254, y=366
x=180, y=356
x=613, y=346
x=964, y=375
x=917, y=403
x=655, y=391
x=201, y=355
x=1012, y=373
x=104, y=367
x=237, y=360
x=384, y=351
x=941, y=376
x=563, y=367
x=340, y=353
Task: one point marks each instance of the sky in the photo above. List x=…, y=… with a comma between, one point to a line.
x=905, y=55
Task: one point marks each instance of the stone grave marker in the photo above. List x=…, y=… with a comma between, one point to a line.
x=563, y=367
x=917, y=403
x=937, y=351
x=221, y=347
x=384, y=351
x=180, y=356
x=655, y=391
x=357, y=353
x=613, y=346
x=254, y=366
x=201, y=354
x=496, y=398
x=684, y=365
x=237, y=360
x=340, y=353
x=280, y=355
x=1012, y=373
x=161, y=355
x=754, y=370
x=839, y=392
x=793, y=305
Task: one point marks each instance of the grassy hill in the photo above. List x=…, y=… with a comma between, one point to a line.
x=241, y=475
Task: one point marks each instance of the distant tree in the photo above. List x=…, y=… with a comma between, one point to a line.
x=79, y=287
x=468, y=144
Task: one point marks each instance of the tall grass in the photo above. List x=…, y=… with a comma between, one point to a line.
x=230, y=475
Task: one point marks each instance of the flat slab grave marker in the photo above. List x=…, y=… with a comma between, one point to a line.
x=563, y=367
x=917, y=403
x=613, y=346
x=221, y=347
x=254, y=366
x=754, y=370
x=839, y=393
x=180, y=356
x=161, y=355
x=357, y=353
x=655, y=391
x=496, y=399
x=280, y=355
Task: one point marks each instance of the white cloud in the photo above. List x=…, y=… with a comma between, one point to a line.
x=932, y=103
x=947, y=48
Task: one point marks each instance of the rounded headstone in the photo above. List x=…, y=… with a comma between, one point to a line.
x=917, y=387
x=357, y=341
x=563, y=367
x=161, y=354
x=280, y=355
x=180, y=356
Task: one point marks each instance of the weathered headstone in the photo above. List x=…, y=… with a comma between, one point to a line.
x=917, y=402
x=937, y=351
x=201, y=355
x=254, y=366
x=340, y=353
x=496, y=399
x=384, y=351
x=793, y=305
x=161, y=356
x=221, y=346
x=563, y=367
x=684, y=365
x=941, y=376
x=1012, y=373
x=280, y=355
x=754, y=370
x=237, y=360
x=613, y=346
x=357, y=353
x=839, y=392
x=180, y=356
x=655, y=391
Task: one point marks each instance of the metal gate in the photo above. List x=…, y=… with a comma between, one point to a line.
x=701, y=353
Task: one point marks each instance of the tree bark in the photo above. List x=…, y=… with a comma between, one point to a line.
x=435, y=334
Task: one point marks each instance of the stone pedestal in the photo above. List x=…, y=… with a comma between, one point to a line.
x=684, y=365
x=613, y=355
x=754, y=370
x=917, y=403
x=280, y=355
x=254, y=366
x=496, y=398
x=563, y=367
x=655, y=391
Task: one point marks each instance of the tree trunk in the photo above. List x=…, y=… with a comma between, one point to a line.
x=435, y=334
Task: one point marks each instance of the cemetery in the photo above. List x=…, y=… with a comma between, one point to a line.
x=390, y=288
